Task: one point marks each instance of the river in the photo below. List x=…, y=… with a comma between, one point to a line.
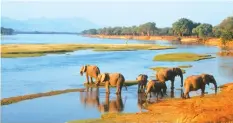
x=22, y=76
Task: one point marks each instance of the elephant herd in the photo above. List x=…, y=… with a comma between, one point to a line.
x=158, y=86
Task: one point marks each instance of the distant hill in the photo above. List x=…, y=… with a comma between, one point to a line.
x=46, y=24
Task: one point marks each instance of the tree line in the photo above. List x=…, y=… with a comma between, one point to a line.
x=182, y=27
x=6, y=31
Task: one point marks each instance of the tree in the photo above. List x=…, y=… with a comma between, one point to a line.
x=6, y=31
x=227, y=24
x=147, y=28
x=203, y=30
x=217, y=32
x=226, y=36
x=183, y=27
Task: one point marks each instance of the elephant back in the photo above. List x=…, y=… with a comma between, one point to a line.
x=114, y=78
x=93, y=71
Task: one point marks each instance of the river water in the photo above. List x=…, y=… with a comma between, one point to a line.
x=22, y=76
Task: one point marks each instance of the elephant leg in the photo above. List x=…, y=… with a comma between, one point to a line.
x=172, y=84
x=186, y=93
x=107, y=87
x=165, y=89
x=87, y=79
x=139, y=88
x=118, y=89
x=202, y=91
x=92, y=81
x=161, y=94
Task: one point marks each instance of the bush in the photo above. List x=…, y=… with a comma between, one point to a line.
x=226, y=36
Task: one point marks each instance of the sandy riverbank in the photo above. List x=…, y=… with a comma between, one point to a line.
x=209, y=41
x=33, y=50
x=211, y=108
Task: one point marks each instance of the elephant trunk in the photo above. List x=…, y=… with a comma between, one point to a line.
x=181, y=77
x=81, y=73
x=215, y=86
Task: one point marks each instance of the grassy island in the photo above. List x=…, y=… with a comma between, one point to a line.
x=181, y=57
x=33, y=50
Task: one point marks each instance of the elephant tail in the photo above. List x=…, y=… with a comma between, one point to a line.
x=123, y=78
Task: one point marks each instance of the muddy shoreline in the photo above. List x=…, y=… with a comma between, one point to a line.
x=188, y=40
x=211, y=108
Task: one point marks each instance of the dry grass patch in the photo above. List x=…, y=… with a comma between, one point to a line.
x=30, y=50
x=181, y=57
x=160, y=68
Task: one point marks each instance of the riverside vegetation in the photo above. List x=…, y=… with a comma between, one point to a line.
x=33, y=50
x=184, y=30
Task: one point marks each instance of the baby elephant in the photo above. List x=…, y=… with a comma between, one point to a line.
x=196, y=82
x=156, y=87
x=142, y=81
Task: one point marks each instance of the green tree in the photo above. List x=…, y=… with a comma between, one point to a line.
x=227, y=24
x=147, y=28
x=6, y=31
x=226, y=36
x=183, y=27
x=203, y=30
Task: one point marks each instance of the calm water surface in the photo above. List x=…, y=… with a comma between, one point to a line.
x=61, y=71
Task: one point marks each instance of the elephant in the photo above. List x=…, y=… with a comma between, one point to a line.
x=113, y=79
x=196, y=82
x=156, y=87
x=169, y=74
x=142, y=81
x=91, y=71
x=112, y=106
x=90, y=97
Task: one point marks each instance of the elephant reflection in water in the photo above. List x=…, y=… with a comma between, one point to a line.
x=90, y=97
x=112, y=106
x=141, y=101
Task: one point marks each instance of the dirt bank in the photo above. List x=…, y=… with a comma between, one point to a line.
x=209, y=41
x=211, y=108
x=11, y=100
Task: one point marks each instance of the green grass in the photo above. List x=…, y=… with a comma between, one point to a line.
x=160, y=68
x=33, y=50
x=127, y=83
x=181, y=57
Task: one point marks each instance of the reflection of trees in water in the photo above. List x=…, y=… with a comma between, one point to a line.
x=91, y=98
x=225, y=67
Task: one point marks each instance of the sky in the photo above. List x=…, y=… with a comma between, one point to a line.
x=120, y=13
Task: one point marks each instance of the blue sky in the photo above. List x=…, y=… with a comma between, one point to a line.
x=120, y=13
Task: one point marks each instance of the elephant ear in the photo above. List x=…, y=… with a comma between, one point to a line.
x=85, y=68
x=103, y=77
x=205, y=78
x=176, y=70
